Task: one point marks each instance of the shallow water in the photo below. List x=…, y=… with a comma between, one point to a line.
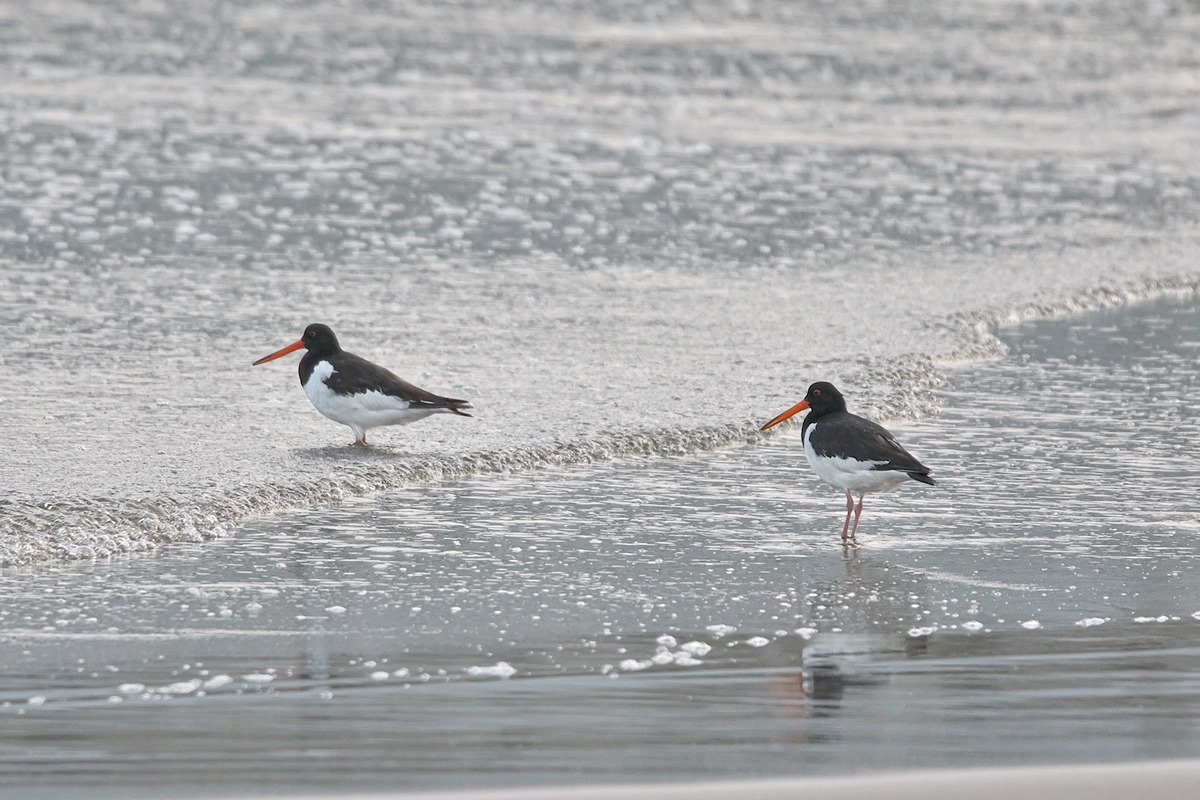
x=665, y=618
x=624, y=231
x=617, y=228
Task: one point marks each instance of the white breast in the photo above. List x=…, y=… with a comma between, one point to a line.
x=361, y=411
x=850, y=474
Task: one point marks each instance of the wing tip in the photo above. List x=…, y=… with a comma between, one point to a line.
x=922, y=477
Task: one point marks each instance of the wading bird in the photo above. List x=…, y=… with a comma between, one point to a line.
x=353, y=391
x=849, y=452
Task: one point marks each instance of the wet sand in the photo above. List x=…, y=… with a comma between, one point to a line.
x=1168, y=780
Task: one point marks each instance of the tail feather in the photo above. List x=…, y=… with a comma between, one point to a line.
x=436, y=403
x=457, y=406
x=923, y=477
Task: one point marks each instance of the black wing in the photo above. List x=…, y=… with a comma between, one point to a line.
x=846, y=435
x=354, y=375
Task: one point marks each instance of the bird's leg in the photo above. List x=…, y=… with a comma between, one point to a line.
x=849, y=509
x=857, y=514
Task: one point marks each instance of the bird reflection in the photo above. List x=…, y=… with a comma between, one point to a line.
x=813, y=692
x=862, y=616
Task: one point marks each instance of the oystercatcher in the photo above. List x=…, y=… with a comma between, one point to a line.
x=353, y=391
x=849, y=452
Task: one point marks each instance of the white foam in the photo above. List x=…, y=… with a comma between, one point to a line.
x=258, y=677
x=663, y=656
x=180, y=687
x=501, y=669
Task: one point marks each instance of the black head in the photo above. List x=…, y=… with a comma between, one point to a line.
x=318, y=339
x=824, y=398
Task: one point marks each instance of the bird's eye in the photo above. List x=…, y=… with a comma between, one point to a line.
x=309, y=334
x=816, y=392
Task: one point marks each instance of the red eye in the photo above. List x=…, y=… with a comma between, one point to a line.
x=816, y=392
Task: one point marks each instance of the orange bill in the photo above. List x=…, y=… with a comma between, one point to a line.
x=291, y=348
x=796, y=409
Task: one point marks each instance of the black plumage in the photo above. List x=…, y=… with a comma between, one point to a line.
x=845, y=435
x=852, y=453
x=357, y=393
x=355, y=375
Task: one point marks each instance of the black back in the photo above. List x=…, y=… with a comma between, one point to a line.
x=355, y=375
x=845, y=435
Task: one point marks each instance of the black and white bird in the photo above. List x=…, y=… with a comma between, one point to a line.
x=353, y=391
x=849, y=452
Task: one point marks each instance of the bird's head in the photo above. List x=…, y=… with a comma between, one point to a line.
x=317, y=338
x=822, y=398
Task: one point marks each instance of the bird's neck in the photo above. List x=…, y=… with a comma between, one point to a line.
x=309, y=363
x=809, y=421
x=815, y=416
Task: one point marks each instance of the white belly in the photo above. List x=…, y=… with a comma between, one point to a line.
x=360, y=411
x=849, y=474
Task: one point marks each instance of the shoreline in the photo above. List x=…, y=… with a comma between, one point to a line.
x=1163, y=780
x=98, y=528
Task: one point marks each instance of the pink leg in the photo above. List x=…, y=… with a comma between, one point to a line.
x=849, y=509
x=857, y=514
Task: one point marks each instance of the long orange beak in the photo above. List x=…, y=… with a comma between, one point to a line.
x=291, y=348
x=796, y=409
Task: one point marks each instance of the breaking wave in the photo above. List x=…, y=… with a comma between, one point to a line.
x=81, y=528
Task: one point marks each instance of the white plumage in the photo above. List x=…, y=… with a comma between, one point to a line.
x=850, y=474
x=362, y=411
x=351, y=390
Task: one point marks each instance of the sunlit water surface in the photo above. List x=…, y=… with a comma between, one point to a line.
x=617, y=228
x=665, y=619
